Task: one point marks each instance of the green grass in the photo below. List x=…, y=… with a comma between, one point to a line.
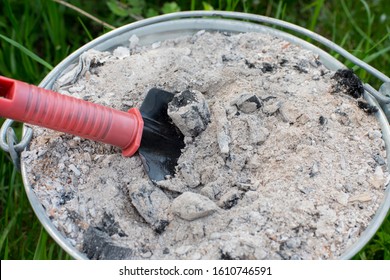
x=36, y=35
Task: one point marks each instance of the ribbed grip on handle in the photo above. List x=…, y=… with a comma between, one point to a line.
x=30, y=104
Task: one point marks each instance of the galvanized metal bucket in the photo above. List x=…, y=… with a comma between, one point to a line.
x=186, y=23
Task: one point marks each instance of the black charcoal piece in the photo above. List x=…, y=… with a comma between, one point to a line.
x=366, y=107
x=348, y=82
x=230, y=199
x=225, y=58
x=283, y=62
x=96, y=63
x=98, y=245
x=110, y=226
x=161, y=225
x=268, y=98
x=226, y=256
x=300, y=68
x=189, y=112
x=322, y=120
x=247, y=103
x=65, y=197
x=267, y=67
x=249, y=64
x=318, y=62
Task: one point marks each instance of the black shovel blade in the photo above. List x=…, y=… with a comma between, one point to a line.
x=161, y=141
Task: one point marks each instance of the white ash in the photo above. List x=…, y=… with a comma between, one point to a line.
x=284, y=169
x=151, y=203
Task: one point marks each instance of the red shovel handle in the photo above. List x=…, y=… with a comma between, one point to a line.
x=30, y=104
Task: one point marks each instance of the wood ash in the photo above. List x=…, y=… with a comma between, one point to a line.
x=279, y=162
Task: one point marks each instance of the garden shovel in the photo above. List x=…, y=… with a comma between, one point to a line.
x=148, y=130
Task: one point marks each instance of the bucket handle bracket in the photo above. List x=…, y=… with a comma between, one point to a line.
x=10, y=144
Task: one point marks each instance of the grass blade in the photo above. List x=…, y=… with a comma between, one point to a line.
x=7, y=229
x=380, y=42
x=10, y=14
x=280, y=11
x=27, y=52
x=40, y=251
x=317, y=5
x=354, y=24
x=85, y=29
x=373, y=56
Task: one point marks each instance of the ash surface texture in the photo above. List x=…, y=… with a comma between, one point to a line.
x=284, y=167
